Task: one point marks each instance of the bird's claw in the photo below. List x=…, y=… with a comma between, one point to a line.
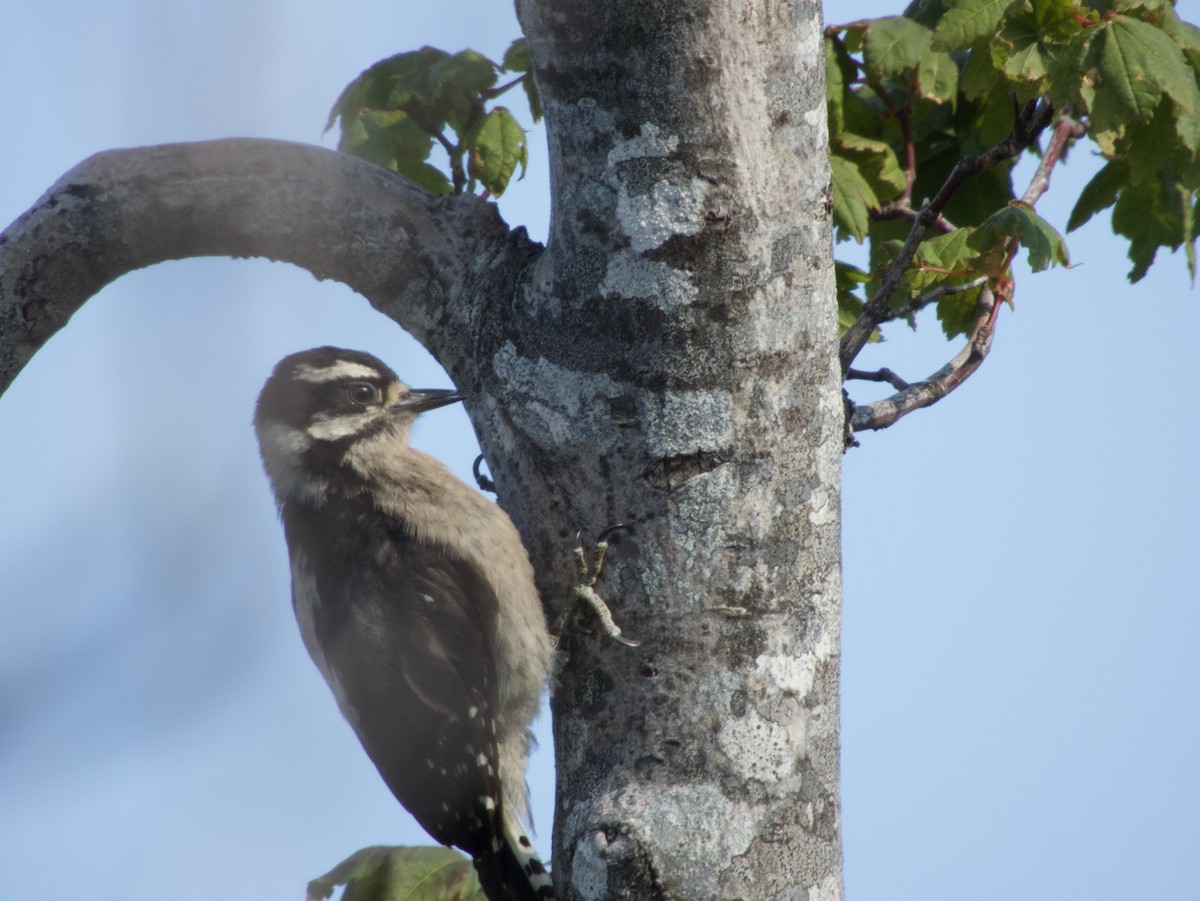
x=485, y=483
x=589, y=573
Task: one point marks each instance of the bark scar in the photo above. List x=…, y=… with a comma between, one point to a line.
x=670, y=473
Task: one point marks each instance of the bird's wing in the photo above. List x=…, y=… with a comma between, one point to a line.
x=405, y=631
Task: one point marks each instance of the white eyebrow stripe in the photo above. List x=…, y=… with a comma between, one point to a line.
x=342, y=369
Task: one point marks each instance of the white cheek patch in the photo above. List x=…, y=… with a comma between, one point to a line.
x=283, y=450
x=336, y=428
x=280, y=440
x=342, y=369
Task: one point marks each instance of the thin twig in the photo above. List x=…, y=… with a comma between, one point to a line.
x=901, y=210
x=916, y=305
x=446, y=143
x=493, y=93
x=877, y=375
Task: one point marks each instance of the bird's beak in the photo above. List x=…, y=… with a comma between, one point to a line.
x=421, y=399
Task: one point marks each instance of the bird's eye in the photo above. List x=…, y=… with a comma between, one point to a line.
x=362, y=393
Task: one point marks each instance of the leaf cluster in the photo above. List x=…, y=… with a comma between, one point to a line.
x=1143, y=105
x=384, y=873
x=911, y=97
x=395, y=112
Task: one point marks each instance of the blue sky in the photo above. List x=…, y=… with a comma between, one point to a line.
x=1020, y=666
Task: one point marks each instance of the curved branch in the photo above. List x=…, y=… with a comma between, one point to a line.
x=881, y=414
x=886, y=412
x=427, y=262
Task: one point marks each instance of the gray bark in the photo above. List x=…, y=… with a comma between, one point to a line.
x=668, y=361
x=683, y=316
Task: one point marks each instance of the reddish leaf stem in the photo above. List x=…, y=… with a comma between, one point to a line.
x=904, y=117
x=1065, y=129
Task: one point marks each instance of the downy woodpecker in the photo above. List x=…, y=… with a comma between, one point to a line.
x=415, y=598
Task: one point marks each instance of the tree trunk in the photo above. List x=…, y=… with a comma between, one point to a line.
x=668, y=362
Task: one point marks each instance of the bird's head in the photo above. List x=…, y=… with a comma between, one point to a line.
x=319, y=403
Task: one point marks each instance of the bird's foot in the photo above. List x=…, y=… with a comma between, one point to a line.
x=585, y=588
x=485, y=483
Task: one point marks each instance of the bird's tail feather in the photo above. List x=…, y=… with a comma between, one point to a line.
x=511, y=870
